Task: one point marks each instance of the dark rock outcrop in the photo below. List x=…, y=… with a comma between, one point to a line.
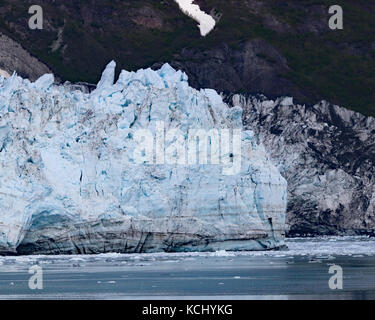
x=15, y=58
x=252, y=66
x=327, y=155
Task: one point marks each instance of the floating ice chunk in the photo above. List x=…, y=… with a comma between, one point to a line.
x=222, y=253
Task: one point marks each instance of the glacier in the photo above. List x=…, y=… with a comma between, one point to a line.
x=69, y=183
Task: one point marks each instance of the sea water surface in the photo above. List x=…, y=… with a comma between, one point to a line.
x=300, y=272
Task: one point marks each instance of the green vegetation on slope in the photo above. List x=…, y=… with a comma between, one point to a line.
x=335, y=65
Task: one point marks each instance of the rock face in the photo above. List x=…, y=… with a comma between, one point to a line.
x=76, y=176
x=327, y=155
x=14, y=58
x=253, y=66
x=275, y=48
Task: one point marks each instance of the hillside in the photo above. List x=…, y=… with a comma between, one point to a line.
x=274, y=47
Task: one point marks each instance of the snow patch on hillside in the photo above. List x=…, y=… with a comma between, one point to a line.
x=206, y=22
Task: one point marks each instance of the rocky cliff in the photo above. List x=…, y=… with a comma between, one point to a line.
x=327, y=155
x=14, y=58
x=273, y=47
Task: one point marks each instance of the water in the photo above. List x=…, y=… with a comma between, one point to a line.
x=301, y=272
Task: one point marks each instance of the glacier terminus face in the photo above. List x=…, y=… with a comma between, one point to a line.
x=143, y=164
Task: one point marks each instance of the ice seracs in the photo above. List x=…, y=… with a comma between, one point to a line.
x=69, y=182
